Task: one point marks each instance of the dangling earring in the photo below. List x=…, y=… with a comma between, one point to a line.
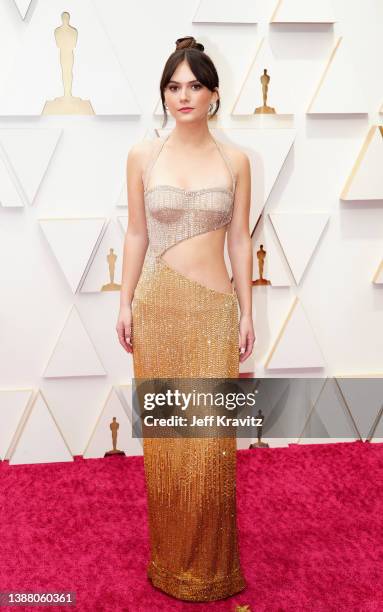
x=211, y=106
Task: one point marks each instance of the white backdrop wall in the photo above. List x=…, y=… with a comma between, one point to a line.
x=300, y=164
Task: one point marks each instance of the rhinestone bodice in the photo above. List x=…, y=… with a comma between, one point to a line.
x=174, y=214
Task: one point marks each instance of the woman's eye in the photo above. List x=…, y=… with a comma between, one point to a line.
x=175, y=87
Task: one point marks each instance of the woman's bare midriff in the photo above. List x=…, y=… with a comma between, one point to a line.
x=201, y=258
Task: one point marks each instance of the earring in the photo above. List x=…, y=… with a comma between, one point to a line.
x=211, y=106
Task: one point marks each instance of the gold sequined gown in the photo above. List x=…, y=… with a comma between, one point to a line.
x=181, y=328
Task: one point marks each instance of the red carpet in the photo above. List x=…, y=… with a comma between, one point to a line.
x=310, y=520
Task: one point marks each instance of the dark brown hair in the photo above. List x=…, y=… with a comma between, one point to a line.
x=200, y=64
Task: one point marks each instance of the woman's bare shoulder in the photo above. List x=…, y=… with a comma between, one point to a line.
x=140, y=152
x=237, y=156
x=236, y=153
x=142, y=147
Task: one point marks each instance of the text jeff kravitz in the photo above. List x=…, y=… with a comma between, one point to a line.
x=206, y=421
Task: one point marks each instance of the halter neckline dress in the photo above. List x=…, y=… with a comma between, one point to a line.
x=184, y=329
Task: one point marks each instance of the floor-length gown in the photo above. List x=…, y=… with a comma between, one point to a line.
x=182, y=328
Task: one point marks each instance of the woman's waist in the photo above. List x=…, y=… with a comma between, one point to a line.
x=209, y=271
x=198, y=261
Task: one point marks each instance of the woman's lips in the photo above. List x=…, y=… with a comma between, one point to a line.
x=185, y=110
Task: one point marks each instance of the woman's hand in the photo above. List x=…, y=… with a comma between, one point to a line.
x=246, y=337
x=124, y=328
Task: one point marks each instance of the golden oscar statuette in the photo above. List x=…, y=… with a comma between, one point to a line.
x=261, y=254
x=264, y=110
x=66, y=40
x=111, y=286
x=259, y=443
x=114, y=428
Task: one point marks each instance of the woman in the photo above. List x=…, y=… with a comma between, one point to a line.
x=185, y=191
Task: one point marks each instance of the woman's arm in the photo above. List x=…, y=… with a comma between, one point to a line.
x=240, y=251
x=135, y=242
x=136, y=239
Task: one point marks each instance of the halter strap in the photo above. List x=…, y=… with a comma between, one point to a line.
x=154, y=154
x=227, y=161
x=159, y=143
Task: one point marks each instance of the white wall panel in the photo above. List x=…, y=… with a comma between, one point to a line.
x=298, y=234
x=29, y=151
x=304, y=11
x=82, y=235
x=36, y=76
x=23, y=6
x=337, y=90
x=100, y=272
x=366, y=178
x=316, y=173
x=9, y=195
x=41, y=440
x=13, y=404
x=296, y=346
x=74, y=354
x=214, y=11
x=100, y=441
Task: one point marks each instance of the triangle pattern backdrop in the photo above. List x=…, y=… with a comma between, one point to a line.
x=336, y=91
x=40, y=440
x=9, y=196
x=97, y=73
x=23, y=6
x=74, y=353
x=13, y=403
x=98, y=273
x=29, y=151
x=303, y=11
x=215, y=11
x=101, y=438
x=366, y=178
x=296, y=345
x=378, y=431
x=275, y=268
x=364, y=396
x=83, y=236
x=330, y=416
x=298, y=233
x=281, y=91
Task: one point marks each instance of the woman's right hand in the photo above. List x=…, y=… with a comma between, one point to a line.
x=124, y=328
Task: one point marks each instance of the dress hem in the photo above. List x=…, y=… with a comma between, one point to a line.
x=192, y=589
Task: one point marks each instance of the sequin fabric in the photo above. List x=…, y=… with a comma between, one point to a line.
x=184, y=329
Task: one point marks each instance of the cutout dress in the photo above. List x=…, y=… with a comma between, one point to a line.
x=182, y=328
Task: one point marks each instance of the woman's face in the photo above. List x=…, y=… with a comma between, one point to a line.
x=184, y=90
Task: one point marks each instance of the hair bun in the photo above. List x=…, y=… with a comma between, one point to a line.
x=188, y=42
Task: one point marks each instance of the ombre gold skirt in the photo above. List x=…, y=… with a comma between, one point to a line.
x=182, y=329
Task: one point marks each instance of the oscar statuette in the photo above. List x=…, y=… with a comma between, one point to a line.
x=114, y=425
